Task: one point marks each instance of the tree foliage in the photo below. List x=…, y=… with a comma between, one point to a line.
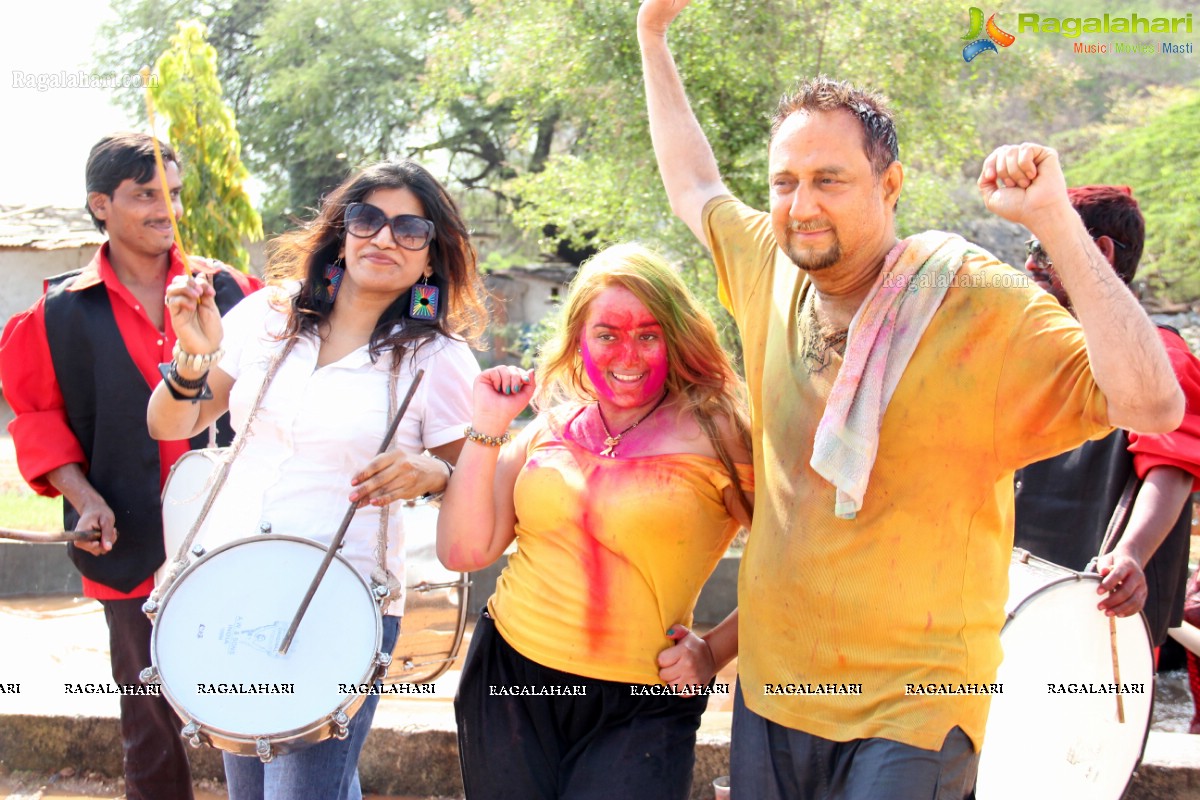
x=576, y=62
x=321, y=86
x=219, y=211
x=1159, y=156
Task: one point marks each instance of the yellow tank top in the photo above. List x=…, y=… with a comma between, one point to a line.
x=610, y=553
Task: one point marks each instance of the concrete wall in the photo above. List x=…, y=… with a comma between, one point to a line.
x=37, y=569
x=22, y=271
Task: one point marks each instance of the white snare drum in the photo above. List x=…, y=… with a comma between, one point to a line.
x=435, y=605
x=215, y=647
x=1054, y=730
x=183, y=496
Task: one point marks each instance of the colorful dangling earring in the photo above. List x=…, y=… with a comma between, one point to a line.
x=424, y=303
x=328, y=290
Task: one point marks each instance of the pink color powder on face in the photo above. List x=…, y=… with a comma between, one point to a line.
x=621, y=336
x=651, y=387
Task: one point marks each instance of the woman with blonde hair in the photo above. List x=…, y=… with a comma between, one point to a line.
x=621, y=495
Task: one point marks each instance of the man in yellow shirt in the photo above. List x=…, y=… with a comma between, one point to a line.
x=895, y=386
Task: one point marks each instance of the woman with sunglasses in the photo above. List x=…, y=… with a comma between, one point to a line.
x=381, y=284
x=582, y=679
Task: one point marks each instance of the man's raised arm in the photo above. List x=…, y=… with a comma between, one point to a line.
x=1024, y=184
x=685, y=160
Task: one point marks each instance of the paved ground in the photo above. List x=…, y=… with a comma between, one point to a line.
x=63, y=640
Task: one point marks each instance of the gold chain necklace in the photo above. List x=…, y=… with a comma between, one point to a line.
x=817, y=346
x=611, y=441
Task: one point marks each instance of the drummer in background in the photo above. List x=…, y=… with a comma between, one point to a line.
x=622, y=495
x=105, y=327
x=383, y=280
x=1064, y=504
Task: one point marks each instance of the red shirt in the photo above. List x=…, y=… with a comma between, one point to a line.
x=40, y=431
x=1181, y=447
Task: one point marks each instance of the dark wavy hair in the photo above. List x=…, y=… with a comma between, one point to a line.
x=1111, y=211
x=119, y=156
x=303, y=255
x=823, y=93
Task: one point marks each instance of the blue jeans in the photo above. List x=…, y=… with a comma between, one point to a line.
x=325, y=771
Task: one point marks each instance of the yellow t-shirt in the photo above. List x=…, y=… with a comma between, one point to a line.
x=610, y=553
x=912, y=590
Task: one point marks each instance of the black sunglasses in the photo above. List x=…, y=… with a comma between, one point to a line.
x=1040, y=257
x=1033, y=249
x=410, y=231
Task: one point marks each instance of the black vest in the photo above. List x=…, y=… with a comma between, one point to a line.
x=106, y=399
x=1063, y=506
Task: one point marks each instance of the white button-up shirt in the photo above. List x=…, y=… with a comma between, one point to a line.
x=317, y=427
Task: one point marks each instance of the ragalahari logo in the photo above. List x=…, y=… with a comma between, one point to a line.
x=994, y=37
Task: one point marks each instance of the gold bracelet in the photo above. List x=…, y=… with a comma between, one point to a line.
x=491, y=441
x=193, y=361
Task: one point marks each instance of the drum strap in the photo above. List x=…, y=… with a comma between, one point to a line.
x=179, y=561
x=381, y=575
x=1116, y=524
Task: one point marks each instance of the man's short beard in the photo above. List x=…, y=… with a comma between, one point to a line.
x=811, y=261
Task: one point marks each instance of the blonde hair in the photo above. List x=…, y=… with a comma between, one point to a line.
x=699, y=372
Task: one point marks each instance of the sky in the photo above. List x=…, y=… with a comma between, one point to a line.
x=46, y=135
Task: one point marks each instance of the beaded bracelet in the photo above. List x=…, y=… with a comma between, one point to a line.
x=196, y=362
x=491, y=441
x=171, y=379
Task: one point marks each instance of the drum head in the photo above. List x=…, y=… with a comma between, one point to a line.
x=217, y=636
x=1054, y=731
x=183, y=496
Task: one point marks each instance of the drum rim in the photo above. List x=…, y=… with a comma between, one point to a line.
x=213, y=454
x=351, y=700
x=1075, y=576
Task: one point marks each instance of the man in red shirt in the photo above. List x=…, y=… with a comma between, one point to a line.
x=1064, y=504
x=78, y=368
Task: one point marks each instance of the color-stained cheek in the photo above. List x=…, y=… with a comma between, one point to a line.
x=595, y=373
x=658, y=372
x=656, y=378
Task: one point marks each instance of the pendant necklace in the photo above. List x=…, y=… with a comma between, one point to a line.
x=817, y=345
x=610, y=441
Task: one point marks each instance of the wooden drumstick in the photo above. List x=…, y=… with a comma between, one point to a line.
x=341, y=532
x=162, y=172
x=1112, y=640
x=49, y=537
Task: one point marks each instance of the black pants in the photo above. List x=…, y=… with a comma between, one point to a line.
x=602, y=744
x=156, y=764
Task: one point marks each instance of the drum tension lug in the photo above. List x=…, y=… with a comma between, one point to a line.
x=149, y=676
x=150, y=607
x=191, y=732
x=383, y=659
x=262, y=749
x=341, y=725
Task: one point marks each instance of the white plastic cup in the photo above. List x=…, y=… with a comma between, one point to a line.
x=721, y=788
